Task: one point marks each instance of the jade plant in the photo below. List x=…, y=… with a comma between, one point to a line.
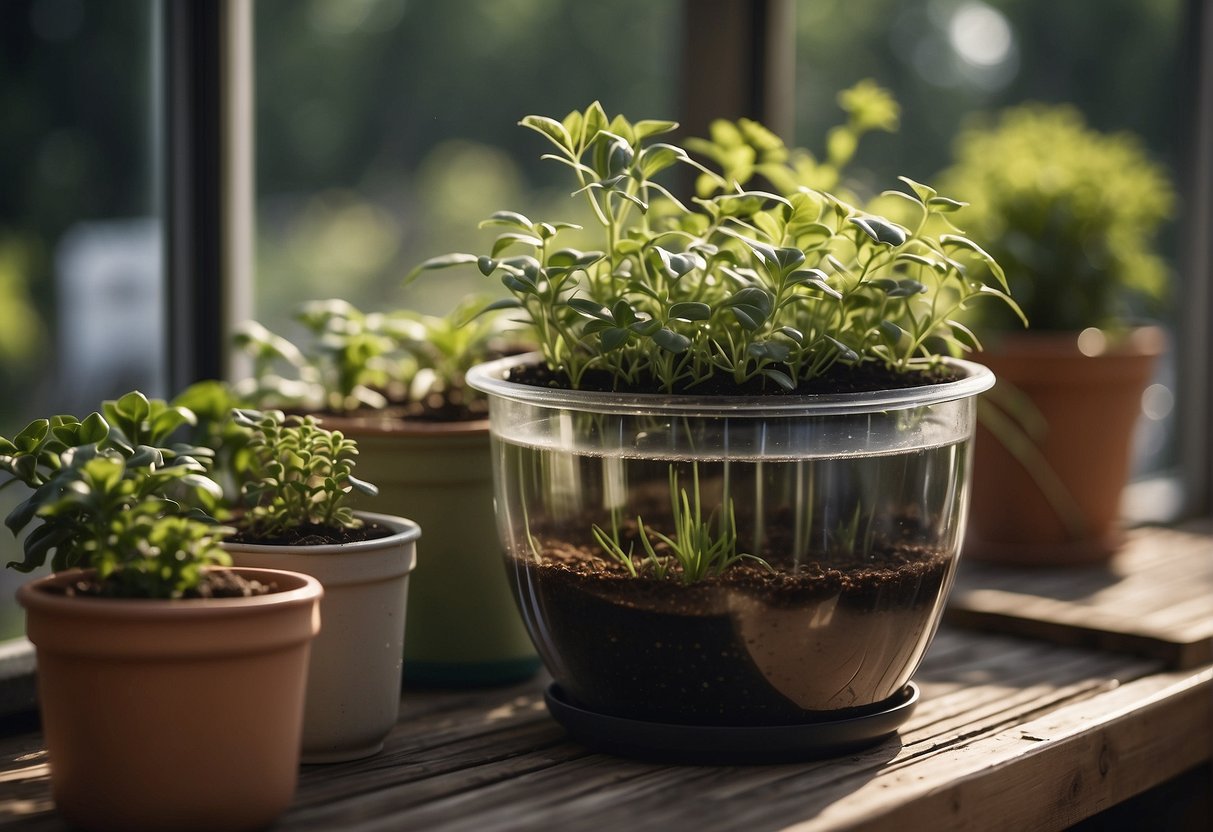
x=746, y=288
x=1071, y=213
x=294, y=477
x=111, y=494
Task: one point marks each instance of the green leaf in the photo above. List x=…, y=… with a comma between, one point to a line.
x=881, y=230
x=652, y=127
x=614, y=338
x=671, y=341
x=595, y=121
x=658, y=157
x=550, y=128
x=690, y=311
x=508, y=218
x=589, y=308
x=32, y=435
x=924, y=192
x=944, y=205
x=645, y=328
x=844, y=352
x=907, y=288
x=443, y=261
x=134, y=406
x=751, y=306
x=892, y=332
x=956, y=241
x=362, y=486
x=93, y=429
x=510, y=238
x=769, y=350
x=779, y=377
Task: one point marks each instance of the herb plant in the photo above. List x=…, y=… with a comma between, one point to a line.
x=1071, y=214
x=348, y=364
x=295, y=475
x=112, y=495
x=357, y=360
x=766, y=289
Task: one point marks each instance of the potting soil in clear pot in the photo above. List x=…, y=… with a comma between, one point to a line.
x=731, y=561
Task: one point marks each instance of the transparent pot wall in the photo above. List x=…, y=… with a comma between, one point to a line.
x=844, y=524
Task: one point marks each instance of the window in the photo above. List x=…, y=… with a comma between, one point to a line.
x=386, y=130
x=81, y=277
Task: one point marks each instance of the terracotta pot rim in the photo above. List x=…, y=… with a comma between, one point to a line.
x=305, y=590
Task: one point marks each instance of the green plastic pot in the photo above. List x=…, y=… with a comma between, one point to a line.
x=463, y=627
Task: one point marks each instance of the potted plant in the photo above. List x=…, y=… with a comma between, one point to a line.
x=291, y=514
x=1072, y=215
x=394, y=381
x=731, y=483
x=159, y=672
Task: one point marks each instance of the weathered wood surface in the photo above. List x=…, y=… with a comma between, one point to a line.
x=1155, y=599
x=1010, y=734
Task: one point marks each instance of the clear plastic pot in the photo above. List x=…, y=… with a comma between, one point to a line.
x=843, y=515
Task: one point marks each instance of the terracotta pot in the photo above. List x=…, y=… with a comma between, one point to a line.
x=1058, y=503
x=353, y=687
x=172, y=715
x=464, y=629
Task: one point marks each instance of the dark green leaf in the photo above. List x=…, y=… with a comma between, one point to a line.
x=779, y=377
x=752, y=306
x=614, y=338
x=32, y=435
x=589, y=308
x=671, y=341
x=690, y=311
x=645, y=328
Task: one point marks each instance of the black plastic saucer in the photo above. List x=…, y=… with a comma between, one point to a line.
x=728, y=744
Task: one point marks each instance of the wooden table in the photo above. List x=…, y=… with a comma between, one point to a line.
x=1011, y=732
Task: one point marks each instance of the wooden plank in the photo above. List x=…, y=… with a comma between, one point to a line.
x=994, y=709
x=1155, y=599
x=1048, y=773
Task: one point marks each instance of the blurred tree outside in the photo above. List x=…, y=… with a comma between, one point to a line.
x=388, y=129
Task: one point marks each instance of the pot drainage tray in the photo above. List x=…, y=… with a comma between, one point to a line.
x=728, y=744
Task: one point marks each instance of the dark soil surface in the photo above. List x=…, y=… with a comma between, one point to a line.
x=313, y=535
x=216, y=583
x=840, y=378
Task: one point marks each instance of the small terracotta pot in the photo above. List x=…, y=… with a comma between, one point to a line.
x=463, y=624
x=353, y=688
x=1089, y=405
x=172, y=715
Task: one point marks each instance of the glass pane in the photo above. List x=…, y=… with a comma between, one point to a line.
x=949, y=62
x=80, y=251
x=386, y=130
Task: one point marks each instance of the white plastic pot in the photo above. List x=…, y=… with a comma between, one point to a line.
x=353, y=690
